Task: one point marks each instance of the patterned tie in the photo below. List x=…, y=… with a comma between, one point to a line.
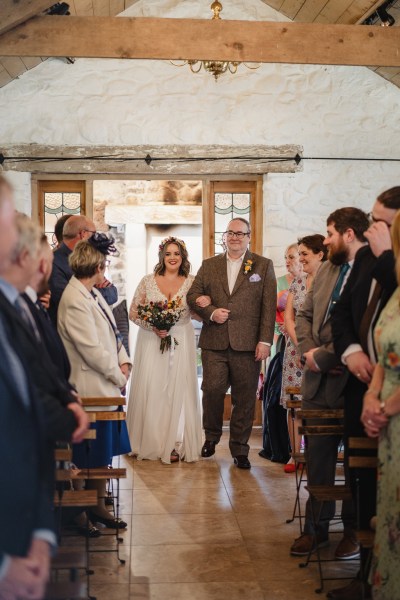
x=338, y=286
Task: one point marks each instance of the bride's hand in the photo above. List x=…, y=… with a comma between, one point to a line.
x=162, y=333
x=203, y=301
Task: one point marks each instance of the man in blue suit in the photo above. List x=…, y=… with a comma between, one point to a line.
x=26, y=521
x=76, y=228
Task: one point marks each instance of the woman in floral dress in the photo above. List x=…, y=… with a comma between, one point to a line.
x=381, y=417
x=312, y=252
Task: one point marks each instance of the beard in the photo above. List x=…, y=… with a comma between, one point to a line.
x=339, y=255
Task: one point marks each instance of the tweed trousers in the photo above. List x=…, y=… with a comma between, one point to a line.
x=239, y=371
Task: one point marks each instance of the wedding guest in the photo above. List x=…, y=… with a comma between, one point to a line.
x=324, y=380
x=164, y=418
x=276, y=445
x=58, y=229
x=294, y=269
x=100, y=365
x=26, y=520
x=235, y=294
x=37, y=288
x=371, y=283
x=76, y=228
x=381, y=418
x=312, y=252
x=64, y=417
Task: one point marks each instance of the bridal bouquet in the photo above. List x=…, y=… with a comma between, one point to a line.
x=162, y=315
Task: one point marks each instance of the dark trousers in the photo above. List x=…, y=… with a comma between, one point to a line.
x=322, y=451
x=362, y=481
x=239, y=371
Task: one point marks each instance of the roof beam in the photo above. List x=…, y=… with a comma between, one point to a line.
x=15, y=12
x=153, y=160
x=245, y=41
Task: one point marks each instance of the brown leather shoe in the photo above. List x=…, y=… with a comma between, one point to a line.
x=348, y=548
x=305, y=544
x=355, y=590
x=208, y=449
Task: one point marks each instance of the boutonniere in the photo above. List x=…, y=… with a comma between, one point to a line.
x=248, y=265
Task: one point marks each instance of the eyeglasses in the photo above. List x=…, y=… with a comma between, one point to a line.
x=89, y=230
x=373, y=219
x=236, y=234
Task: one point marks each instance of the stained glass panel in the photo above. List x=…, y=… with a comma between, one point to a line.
x=57, y=204
x=227, y=206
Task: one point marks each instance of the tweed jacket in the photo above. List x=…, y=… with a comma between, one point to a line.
x=252, y=303
x=313, y=330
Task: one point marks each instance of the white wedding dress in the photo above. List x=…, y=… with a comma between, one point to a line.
x=164, y=411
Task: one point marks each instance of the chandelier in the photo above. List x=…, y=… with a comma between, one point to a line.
x=214, y=67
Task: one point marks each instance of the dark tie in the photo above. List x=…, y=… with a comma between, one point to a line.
x=26, y=316
x=338, y=286
x=42, y=310
x=13, y=365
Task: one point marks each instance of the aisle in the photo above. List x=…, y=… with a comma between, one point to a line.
x=206, y=531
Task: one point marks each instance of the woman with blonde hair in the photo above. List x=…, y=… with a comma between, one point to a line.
x=100, y=365
x=381, y=418
x=164, y=415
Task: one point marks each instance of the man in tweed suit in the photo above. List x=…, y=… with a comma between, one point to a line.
x=235, y=294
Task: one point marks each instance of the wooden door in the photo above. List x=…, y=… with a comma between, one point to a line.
x=223, y=201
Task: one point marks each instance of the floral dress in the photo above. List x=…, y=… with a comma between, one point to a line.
x=292, y=373
x=386, y=564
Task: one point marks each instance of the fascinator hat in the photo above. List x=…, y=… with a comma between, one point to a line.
x=103, y=243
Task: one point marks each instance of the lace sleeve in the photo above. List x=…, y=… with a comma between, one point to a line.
x=139, y=298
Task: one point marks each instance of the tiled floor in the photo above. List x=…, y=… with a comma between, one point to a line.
x=207, y=531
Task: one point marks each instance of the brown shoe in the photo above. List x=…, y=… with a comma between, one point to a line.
x=305, y=544
x=348, y=548
x=355, y=590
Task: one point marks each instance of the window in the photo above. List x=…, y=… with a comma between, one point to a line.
x=225, y=201
x=57, y=198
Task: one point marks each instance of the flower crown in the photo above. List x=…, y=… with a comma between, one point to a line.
x=102, y=243
x=171, y=240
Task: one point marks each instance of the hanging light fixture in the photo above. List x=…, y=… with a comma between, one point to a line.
x=215, y=67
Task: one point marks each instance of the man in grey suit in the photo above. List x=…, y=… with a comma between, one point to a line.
x=324, y=379
x=235, y=294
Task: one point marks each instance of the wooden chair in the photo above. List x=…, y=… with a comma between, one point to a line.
x=68, y=561
x=363, y=455
x=93, y=406
x=75, y=562
x=298, y=457
x=320, y=423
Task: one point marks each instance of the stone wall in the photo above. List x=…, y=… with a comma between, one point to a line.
x=334, y=112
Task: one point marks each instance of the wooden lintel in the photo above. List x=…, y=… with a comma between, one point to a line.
x=152, y=160
x=15, y=12
x=174, y=39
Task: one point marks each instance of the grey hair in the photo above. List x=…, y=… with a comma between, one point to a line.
x=28, y=236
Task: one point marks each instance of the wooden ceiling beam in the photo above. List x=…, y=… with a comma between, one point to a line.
x=152, y=160
x=243, y=41
x=15, y=12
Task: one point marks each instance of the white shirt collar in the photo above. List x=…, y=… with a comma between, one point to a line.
x=235, y=260
x=32, y=295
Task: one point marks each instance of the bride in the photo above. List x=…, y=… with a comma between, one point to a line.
x=164, y=414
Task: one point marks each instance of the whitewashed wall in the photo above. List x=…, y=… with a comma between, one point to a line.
x=337, y=112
